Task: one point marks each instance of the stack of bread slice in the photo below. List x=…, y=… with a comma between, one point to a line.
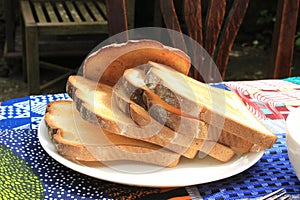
x=135, y=102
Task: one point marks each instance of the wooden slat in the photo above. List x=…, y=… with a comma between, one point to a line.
x=62, y=12
x=232, y=25
x=214, y=21
x=283, y=38
x=50, y=11
x=102, y=7
x=73, y=11
x=130, y=12
x=193, y=18
x=39, y=12
x=193, y=21
x=97, y=15
x=66, y=27
x=32, y=59
x=117, y=19
x=27, y=12
x=83, y=11
x=171, y=21
x=169, y=15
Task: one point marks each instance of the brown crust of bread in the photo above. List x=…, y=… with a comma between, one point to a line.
x=101, y=65
x=214, y=149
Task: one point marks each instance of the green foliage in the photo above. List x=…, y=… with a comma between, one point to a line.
x=266, y=22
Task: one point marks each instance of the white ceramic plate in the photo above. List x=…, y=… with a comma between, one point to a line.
x=188, y=172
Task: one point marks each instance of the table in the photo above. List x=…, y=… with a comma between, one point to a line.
x=28, y=172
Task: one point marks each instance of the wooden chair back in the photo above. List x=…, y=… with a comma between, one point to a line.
x=116, y=16
x=216, y=31
x=282, y=49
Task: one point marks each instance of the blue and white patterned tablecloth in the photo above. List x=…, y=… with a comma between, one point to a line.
x=26, y=112
x=26, y=170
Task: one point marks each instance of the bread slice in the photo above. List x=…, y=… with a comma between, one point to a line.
x=134, y=89
x=218, y=107
x=96, y=107
x=140, y=115
x=101, y=65
x=79, y=140
x=172, y=117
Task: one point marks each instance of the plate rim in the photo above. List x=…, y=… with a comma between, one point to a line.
x=145, y=179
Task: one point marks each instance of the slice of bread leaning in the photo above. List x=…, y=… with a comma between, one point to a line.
x=209, y=104
x=94, y=103
x=107, y=64
x=172, y=117
x=143, y=118
x=79, y=140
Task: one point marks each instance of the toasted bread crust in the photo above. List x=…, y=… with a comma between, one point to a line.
x=101, y=65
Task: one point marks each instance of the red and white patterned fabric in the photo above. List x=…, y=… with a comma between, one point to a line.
x=268, y=99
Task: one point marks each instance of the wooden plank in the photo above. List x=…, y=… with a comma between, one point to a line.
x=83, y=11
x=50, y=11
x=97, y=15
x=73, y=11
x=32, y=59
x=62, y=12
x=282, y=49
x=229, y=33
x=27, y=12
x=39, y=11
x=71, y=28
x=130, y=12
x=102, y=7
x=193, y=19
x=117, y=19
x=214, y=22
x=169, y=14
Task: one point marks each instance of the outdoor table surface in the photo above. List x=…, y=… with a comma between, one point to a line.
x=28, y=172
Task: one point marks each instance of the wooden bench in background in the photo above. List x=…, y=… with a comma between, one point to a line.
x=62, y=28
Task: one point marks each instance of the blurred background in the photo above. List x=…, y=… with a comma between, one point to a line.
x=249, y=58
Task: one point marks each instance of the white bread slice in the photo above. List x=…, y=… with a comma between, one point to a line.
x=136, y=89
x=173, y=117
x=211, y=105
x=96, y=107
x=202, y=142
x=79, y=140
x=101, y=65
